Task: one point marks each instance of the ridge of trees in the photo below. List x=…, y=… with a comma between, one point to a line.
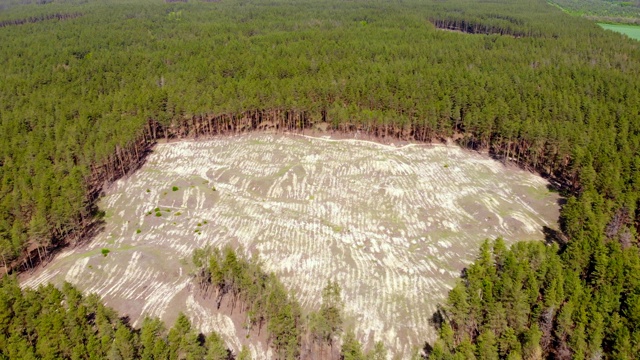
x=35, y=19
x=265, y=302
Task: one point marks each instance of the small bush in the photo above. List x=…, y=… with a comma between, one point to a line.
x=156, y=209
x=199, y=224
x=105, y=252
x=158, y=214
x=178, y=213
x=175, y=188
x=214, y=188
x=138, y=231
x=148, y=190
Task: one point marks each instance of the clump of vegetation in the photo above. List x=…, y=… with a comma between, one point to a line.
x=158, y=213
x=178, y=213
x=175, y=188
x=267, y=302
x=105, y=252
x=148, y=190
x=138, y=231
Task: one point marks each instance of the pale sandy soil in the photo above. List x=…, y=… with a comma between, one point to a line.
x=393, y=224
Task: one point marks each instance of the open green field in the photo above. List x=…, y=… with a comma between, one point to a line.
x=632, y=31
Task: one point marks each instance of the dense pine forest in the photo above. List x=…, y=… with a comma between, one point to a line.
x=48, y=323
x=88, y=86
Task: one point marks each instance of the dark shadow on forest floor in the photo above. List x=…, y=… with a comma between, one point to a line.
x=553, y=236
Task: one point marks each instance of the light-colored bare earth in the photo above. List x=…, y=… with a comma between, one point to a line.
x=394, y=225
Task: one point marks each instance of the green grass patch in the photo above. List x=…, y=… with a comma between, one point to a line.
x=632, y=31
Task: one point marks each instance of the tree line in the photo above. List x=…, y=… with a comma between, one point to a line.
x=269, y=306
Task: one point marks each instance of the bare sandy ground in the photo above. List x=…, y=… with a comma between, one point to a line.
x=393, y=224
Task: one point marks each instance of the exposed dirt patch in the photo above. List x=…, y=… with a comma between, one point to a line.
x=393, y=224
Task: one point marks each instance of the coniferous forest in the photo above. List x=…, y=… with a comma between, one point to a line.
x=88, y=86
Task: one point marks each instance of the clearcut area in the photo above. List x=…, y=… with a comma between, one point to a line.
x=394, y=225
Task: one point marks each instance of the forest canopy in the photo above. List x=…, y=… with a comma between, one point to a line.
x=82, y=98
